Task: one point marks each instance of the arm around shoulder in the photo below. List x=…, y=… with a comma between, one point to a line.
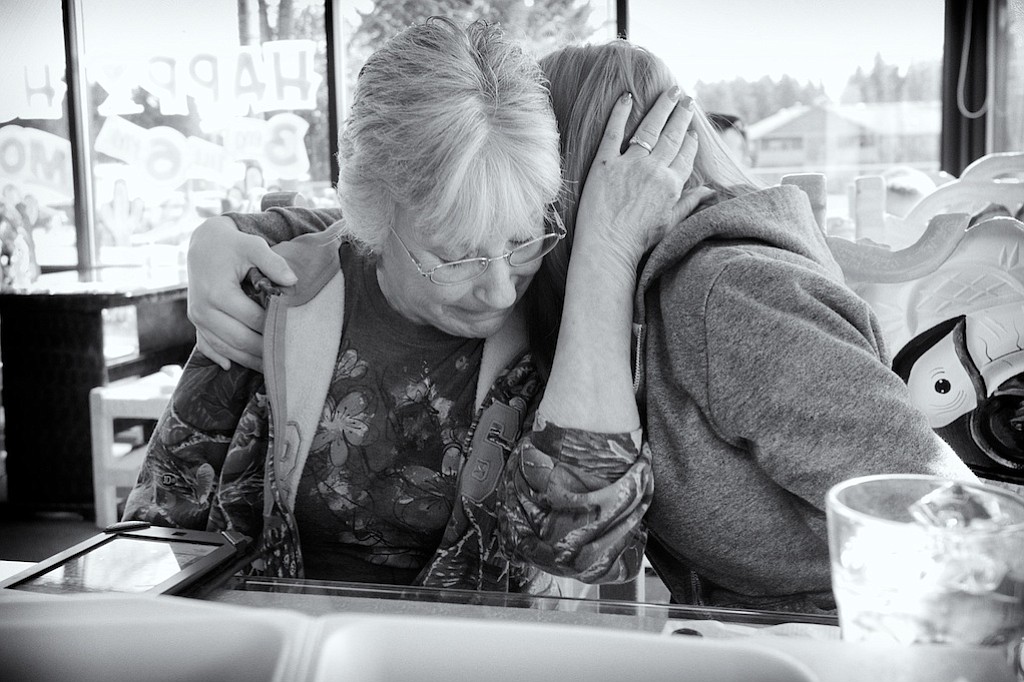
x=283, y=223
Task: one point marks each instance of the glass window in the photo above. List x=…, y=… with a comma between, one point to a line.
x=1007, y=119
x=542, y=25
x=846, y=89
x=36, y=189
x=198, y=107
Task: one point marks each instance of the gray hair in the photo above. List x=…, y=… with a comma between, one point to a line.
x=454, y=124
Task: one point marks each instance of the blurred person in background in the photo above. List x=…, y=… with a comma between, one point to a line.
x=733, y=132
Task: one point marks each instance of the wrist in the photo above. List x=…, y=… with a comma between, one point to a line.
x=604, y=260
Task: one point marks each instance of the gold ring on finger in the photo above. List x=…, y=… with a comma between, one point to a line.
x=640, y=143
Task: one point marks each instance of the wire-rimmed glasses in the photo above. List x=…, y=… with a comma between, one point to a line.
x=461, y=271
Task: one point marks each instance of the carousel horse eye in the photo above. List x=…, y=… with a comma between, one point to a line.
x=943, y=386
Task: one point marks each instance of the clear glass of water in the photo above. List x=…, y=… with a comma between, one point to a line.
x=921, y=559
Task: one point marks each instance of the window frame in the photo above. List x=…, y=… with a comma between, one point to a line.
x=962, y=140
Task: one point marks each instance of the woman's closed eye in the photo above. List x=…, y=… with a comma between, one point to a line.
x=520, y=239
x=510, y=245
x=516, y=243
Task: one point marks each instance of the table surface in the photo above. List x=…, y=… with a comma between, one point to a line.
x=811, y=640
x=126, y=281
x=9, y=568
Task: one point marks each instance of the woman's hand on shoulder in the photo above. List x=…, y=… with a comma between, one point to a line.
x=228, y=323
x=632, y=198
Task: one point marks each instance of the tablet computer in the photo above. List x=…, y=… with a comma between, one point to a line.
x=134, y=557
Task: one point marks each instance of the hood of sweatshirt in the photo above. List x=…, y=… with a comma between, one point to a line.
x=778, y=216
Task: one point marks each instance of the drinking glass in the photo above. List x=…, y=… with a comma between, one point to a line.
x=921, y=559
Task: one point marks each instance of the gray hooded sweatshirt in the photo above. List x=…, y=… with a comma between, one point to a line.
x=764, y=381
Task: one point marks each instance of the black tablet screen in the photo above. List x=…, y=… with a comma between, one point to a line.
x=124, y=564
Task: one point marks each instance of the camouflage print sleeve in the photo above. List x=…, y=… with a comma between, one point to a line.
x=207, y=420
x=281, y=224
x=572, y=503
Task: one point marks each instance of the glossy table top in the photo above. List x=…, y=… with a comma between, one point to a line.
x=320, y=597
x=813, y=640
x=431, y=624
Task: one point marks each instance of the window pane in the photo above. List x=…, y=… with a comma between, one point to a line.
x=846, y=89
x=37, y=195
x=542, y=25
x=1007, y=119
x=199, y=107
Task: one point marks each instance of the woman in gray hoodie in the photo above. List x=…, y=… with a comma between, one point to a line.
x=761, y=377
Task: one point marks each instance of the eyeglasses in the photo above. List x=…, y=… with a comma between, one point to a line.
x=460, y=271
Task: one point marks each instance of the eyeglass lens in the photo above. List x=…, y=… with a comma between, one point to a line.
x=463, y=271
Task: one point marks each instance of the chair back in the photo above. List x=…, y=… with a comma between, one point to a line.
x=275, y=199
x=951, y=310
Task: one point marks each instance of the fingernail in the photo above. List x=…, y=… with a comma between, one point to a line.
x=265, y=285
x=692, y=133
x=688, y=103
x=673, y=93
x=626, y=98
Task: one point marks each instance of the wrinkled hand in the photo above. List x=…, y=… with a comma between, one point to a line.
x=631, y=199
x=228, y=323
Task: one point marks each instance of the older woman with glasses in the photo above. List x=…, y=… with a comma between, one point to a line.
x=395, y=405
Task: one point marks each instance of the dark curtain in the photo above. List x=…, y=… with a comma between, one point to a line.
x=963, y=138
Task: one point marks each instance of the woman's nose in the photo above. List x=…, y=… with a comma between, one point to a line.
x=497, y=286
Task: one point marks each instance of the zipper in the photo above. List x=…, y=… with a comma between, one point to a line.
x=638, y=337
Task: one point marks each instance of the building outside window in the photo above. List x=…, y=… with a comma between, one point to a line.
x=846, y=89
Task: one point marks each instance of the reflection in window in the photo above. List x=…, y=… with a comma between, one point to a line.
x=200, y=107
x=36, y=194
x=845, y=89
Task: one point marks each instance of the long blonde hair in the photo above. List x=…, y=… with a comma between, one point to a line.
x=585, y=81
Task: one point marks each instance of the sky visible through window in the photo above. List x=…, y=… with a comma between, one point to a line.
x=816, y=40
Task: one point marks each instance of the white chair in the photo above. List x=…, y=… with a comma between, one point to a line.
x=951, y=307
x=117, y=465
x=994, y=179
x=816, y=188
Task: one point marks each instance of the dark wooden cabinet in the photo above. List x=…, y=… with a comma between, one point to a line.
x=52, y=345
